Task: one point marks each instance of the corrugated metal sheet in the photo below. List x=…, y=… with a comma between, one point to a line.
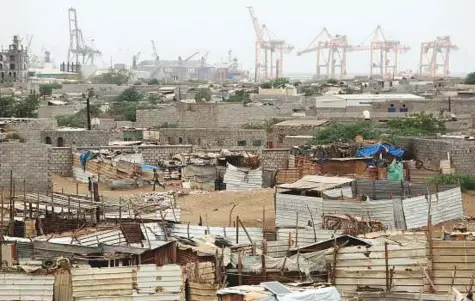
x=141, y=283
x=447, y=256
x=278, y=248
x=172, y=215
x=164, y=282
x=80, y=175
x=16, y=286
x=305, y=235
x=112, y=237
x=288, y=205
x=381, y=296
x=383, y=189
x=154, y=232
x=62, y=286
x=240, y=180
x=445, y=206
x=102, y=283
x=361, y=266
x=338, y=192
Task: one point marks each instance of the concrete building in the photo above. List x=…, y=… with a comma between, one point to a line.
x=74, y=136
x=179, y=70
x=300, y=128
x=13, y=63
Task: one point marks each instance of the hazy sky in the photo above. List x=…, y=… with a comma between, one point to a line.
x=121, y=28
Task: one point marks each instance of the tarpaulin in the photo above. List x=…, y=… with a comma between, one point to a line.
x=376, y=149
x=323, y=294
x=395, y=171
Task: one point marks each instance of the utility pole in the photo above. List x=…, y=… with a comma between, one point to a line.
x=90, y=93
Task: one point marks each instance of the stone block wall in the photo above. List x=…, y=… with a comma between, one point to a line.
x=215, y=138
x=28, y=161
x=275, y=158
x=29, y=128
x=61, y=161
x=78, y=138
x=54, y=111
x=151, y=154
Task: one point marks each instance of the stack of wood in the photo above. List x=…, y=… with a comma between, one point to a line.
x=351, y=225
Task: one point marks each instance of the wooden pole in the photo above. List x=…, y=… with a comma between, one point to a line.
x=386, y=261
x=239, y=268
x=429, y=236
x=297, y=230
x=24, y=200
x=38, y=205
x=264, y=271
x=313, y=224
x=1, y=217
x=77, y=189
x=237, y=229
x=12, y=204
x=245, y=231
x=263, y=221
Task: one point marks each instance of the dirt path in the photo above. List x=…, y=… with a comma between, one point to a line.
x=213, y=207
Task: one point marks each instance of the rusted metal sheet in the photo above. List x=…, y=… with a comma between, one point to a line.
x=446, y=206
x=365, y=267
x=19, y=287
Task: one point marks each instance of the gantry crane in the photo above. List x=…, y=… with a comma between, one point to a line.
x=384, y=54
x=331, y=54
x=432, y=52
x=266, y=45
x=77, y=46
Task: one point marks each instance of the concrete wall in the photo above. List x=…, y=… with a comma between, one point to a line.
x=29, y=161
x=275, y=158
x=61, y=161
x=290, y=141
x=78, y=138
x=211, y=115
x=54, y=111
x=432, y=151
x=207, y=138
x=30, y=128
x=278, y=133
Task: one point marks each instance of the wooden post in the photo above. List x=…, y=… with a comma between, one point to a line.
x=313, y=224
x=429, y=236
x=237, y=229
x=402, y=190
x=297, y=230
x=103, y=208
x=120, y=209
x=69, y=204
x=1, y=217
x=38, y=205
x=188, y=230
x=386, y=260
x=264, y=271
x=24, y=200
x=52, y=200
x=217, y=267
x=245, y=231
x=77, y=189
x=263, y=221
x=12, y=205
x=239, y=268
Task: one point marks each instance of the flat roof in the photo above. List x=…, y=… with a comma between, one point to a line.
x=317, y=183
x=294, y=122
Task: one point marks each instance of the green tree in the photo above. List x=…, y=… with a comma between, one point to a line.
x=332, y=81
x=239, y=96
x=113, y=76
x=79, y=119
x=47, y=89
x=154, y=82
x=123, y=111
x=26, y=107
x=203, y=93
x=130, y=94
x=279, y=82
x=470, y=79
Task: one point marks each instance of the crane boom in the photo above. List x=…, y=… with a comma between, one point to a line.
x=154, y=50
x=255, y=23
x=191, y=56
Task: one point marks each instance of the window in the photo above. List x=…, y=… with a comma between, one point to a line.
x=257, y=143
x=180, y=140
x=191, y=70
x=220, y=142
x=60, y=142
x=170, y=141
x=168, y=70
x=242, y=143
x=190, y=141
x=1, y=66
x=12, y=58
x=12, y=66
x=48, y=140
x=1, y=57
x=281, y=138
x=403, y=109
x=391, y=109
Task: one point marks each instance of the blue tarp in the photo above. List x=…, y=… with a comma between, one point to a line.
x=376, y=149
x=152, y=167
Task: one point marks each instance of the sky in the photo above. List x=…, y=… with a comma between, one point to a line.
x=122, y=28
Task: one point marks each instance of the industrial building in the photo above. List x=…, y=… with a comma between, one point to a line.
x=13, y=63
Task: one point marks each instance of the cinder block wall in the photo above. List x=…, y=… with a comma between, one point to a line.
x=30, y=128
x=80, y=138
x=29, y=161
x=61, y=161
x=215, y=138
x=275, y=158
x=154, y=153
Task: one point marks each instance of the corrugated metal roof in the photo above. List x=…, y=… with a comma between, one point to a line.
x=446, y=206
x=16, y=286
x=154, y=232
x=163, y=281
x=237, y=179
x=317, y=183
x=305, y=236
x=111, y=237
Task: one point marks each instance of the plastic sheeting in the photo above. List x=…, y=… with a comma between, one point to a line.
x=376, y=149
x=323, y=294
x=395, y=171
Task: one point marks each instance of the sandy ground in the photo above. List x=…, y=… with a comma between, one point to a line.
x=213, y=207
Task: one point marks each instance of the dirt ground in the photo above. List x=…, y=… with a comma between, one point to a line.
x=213, y=207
